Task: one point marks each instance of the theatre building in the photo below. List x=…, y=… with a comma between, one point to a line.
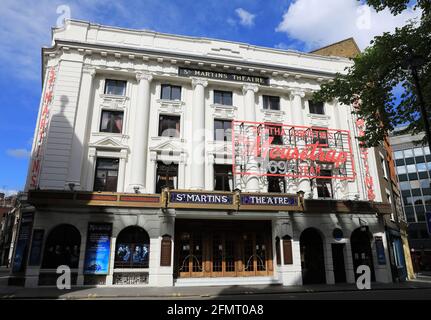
x=165, y=160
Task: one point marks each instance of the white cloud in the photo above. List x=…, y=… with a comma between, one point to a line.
x=8, y=192
x=318, y=23
x=25, y=26
x=246, y=18
x=284, y=46
x=18, y=153
x=24, y=29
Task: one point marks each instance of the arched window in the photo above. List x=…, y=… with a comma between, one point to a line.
x=62, y=247
x=132, y=248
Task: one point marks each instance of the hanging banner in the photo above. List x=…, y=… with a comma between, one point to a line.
x=42, y=129
x=280, y=150
x=98, y=248
x=369, y=183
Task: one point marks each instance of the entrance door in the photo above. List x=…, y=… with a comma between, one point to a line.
x=230, y=255
x=256, y=255
x=217, y=249
x=190, y=255
x=312, y=257
x=338, y=262
x=361, y=250
x=217, y=255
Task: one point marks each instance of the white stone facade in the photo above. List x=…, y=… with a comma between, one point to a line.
x=84, y=55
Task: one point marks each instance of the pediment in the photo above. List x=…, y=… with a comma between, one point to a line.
x=167, y=146
x=108, y=142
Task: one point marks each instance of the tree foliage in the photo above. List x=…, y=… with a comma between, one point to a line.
x=384, y=68
x=398, y=6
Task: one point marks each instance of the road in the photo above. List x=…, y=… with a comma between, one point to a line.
x=392, y=294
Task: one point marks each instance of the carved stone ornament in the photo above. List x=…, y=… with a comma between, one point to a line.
x=247, y=87
x=144, y=76
x=299, y=93
x=199, y=81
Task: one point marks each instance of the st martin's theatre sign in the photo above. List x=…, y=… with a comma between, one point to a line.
x=186, y=72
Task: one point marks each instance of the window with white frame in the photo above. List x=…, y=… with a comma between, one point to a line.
x=316, y=107
x=385, y=171
x=170, y=92
x=271, y=102
x=223, y=97
x=106, y=177
x=169, y=126
x=111, y=121
x=115, y=87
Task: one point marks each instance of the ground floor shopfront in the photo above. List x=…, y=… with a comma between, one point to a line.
x=154, y=246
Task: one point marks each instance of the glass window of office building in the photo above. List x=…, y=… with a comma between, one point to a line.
x=414, y=171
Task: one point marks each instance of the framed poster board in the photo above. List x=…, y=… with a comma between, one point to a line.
x=36, y=247
x=23, y=241
x=98, y=248
x=380, y=250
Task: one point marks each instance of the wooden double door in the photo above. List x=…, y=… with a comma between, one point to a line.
x=214, y=248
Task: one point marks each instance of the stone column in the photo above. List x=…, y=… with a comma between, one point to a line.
x=162, y=276
x=249, y=90
x=122, y=170
x=298, y=119
x=140, y=133
x=151, y=173
x=182, y=171
x=329, y=264
x=80, y=277
x=210, y=170
x=110, y=275
x=80, y=129
x=92, y=153
x=348, y=260
x=197, y=165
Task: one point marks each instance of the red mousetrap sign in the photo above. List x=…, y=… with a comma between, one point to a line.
x=273, y=149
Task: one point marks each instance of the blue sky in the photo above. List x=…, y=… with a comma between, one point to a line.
x=25, y=26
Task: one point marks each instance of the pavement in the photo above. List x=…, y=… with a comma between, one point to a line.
x=4, y=275
x=206, y=292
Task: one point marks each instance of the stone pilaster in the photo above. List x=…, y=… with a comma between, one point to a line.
x=197, y=165
x=249, y=90
x=140, y=134
x=80, y=130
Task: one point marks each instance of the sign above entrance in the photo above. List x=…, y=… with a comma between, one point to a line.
x=186, y=72
x=199, y=200
x=235, y=201
x=256, y=201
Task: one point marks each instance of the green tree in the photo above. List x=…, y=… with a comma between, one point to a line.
x=382, y=68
